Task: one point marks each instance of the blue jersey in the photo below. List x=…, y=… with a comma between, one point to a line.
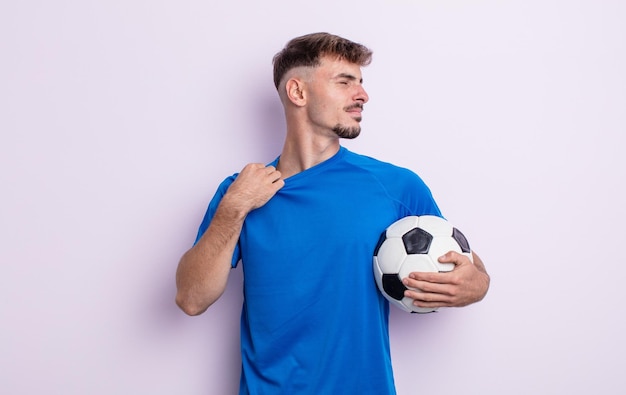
x=313, y=321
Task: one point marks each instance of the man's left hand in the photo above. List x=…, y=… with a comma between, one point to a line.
x=467, y=283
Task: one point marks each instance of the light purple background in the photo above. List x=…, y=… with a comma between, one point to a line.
x=119, y=119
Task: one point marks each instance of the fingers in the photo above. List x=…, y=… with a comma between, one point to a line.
x=464, y=285
x=430, y=294
x=430, y=282
x=459, y=260
x=255, y=172
x=255, y=185
x=454, y=257
x=273, y=174
x=436, y=289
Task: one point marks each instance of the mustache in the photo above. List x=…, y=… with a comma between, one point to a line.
x=355, y=105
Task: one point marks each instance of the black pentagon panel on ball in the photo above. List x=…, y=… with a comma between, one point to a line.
x=417, y=241
x=381, y=240
x=460, y=238
x=393, y=286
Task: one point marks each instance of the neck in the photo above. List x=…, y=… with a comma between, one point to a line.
x=302, y=154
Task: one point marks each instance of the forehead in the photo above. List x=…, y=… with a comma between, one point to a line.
x=332, y=66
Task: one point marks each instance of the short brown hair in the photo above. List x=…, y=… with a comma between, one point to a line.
x=308, y=49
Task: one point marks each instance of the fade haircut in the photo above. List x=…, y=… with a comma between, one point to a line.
x=307, y=51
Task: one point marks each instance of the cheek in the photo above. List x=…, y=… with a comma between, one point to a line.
x=325, y=106
x=320, y=107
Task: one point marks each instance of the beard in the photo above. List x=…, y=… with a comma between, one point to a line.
x=346, y=132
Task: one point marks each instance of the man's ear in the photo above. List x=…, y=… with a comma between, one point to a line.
x=294, y=88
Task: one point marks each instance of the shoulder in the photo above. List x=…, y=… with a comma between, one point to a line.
x=385, y=171
x=223, y=186
x=399, y=183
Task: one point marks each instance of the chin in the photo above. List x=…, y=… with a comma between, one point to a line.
x=345, y=132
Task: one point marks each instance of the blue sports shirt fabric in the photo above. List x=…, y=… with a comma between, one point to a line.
x=313, y=321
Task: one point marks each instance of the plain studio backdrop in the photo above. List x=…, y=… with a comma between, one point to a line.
x=120, y=118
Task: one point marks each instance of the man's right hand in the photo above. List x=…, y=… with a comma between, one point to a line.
x=254, y=186
x=203, y=270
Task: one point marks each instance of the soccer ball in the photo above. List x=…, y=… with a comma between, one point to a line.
x=413, y=244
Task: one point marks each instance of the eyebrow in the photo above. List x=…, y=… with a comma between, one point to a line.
x=348, y=76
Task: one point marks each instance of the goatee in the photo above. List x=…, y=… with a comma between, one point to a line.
x=347, y=133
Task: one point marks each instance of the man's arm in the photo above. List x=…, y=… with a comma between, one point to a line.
x=468, y=283
x=203, y=271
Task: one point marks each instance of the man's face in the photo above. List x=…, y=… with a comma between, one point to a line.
x=336, y=97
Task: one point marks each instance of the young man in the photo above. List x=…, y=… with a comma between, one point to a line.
x=305, y=228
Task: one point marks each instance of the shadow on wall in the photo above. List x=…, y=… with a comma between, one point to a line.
x=270, y=124
x=214, y=335
x=267, y=140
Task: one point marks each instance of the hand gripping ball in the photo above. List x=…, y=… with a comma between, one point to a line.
x=413, y=244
